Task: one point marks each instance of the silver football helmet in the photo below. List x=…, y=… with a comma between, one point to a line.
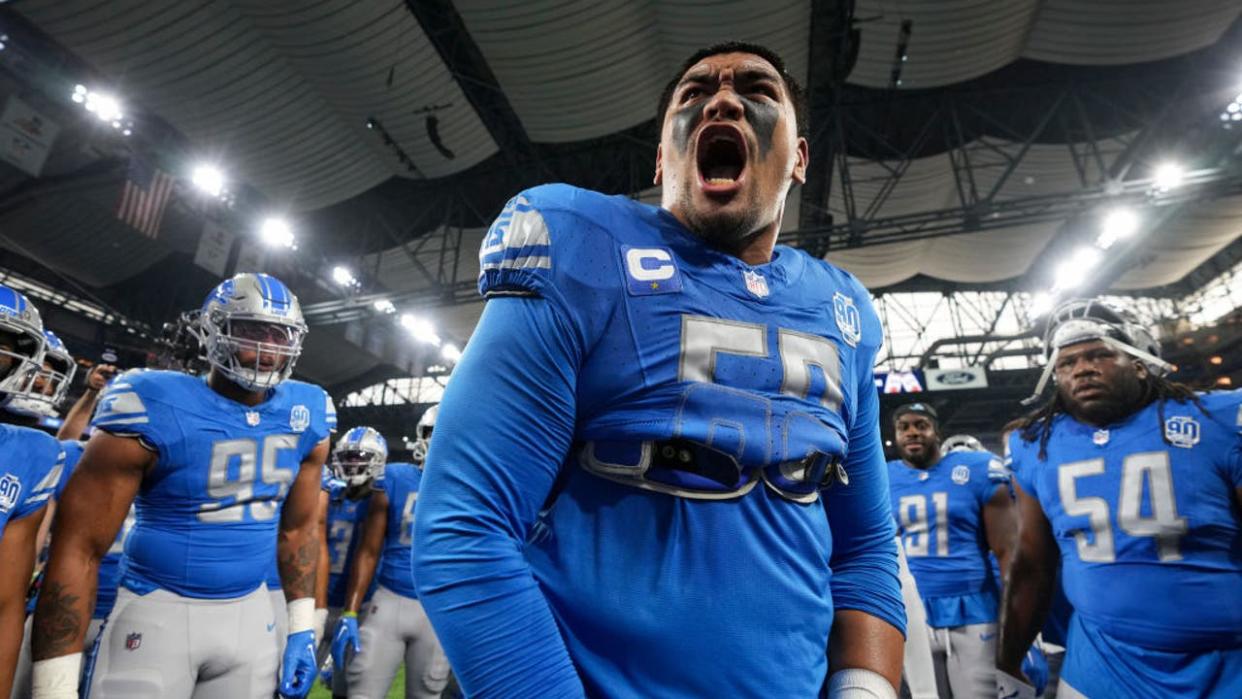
x=52, y=385
x=22, y=349
x=253, y=313
x=961, y=442
x=1086, y=320
x=359, y=456
x=422, y=435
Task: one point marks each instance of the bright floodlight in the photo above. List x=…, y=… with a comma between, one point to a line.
x=104, y=106
x=1072, y=273
x=342, y=275
x=420, y=329
x=450, y=352
x=1168, y=176
x=1117, y=224
x=384, y=306
x=209, y=179
x=275, y=232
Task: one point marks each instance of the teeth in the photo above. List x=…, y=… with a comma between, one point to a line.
x=720, y=180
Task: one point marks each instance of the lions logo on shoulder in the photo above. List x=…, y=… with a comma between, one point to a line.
x=10, y=490
x=961, y=475
x=299, y=418
x=849, y=322
x=1182, y=431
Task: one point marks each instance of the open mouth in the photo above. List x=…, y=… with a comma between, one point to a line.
x=721, y=157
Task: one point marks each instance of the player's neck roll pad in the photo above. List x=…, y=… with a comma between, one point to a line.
x=689, y=470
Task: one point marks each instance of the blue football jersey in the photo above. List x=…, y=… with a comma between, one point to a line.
x=939, y=514
x=345, y=518
x=31, y=464
x=73, y=453
x=714, y=403
x=207, y=513
x=1151, y=545
x=400, y=483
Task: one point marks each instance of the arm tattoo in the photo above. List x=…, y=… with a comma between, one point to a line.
x=58, y=623
x=297, y=568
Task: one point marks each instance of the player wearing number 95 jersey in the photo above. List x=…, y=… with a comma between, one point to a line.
x=219, y=468
x=657, y=470
x=1138, y=482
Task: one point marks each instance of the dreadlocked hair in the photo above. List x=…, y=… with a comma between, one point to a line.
x=1037, y=424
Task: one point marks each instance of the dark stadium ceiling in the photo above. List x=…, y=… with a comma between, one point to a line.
x=391, y=132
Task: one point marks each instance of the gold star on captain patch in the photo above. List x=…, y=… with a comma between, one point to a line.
x=655, y=285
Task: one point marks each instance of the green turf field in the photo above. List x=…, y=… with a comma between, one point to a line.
x=397, y=691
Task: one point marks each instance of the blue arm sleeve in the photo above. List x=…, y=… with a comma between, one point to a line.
x=505, y=425
x=864, y=552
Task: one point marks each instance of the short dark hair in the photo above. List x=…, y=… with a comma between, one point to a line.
x=796, y=95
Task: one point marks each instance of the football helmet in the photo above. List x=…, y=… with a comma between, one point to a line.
x=961, y=442
x=22, y=348
x=255, y=313
x=359, y=456
x=422, y=435
x=55, y=377
x=1087, y=320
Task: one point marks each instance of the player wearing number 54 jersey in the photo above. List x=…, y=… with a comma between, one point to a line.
x=219, y=468
x=1138, y=482
x=657, y=471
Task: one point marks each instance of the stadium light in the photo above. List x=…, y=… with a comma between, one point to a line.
x=420, y=328
x=1116, y=225
x=106, y=107
x=342, y=276
x=450, y=352
x=1168, y=176
x=209, y=179
x=1071, y=273
x=384, y=306
x=275, y=232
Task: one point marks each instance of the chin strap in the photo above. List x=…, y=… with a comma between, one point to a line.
x=1153, y=363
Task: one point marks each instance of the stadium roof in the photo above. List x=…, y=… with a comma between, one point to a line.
x=381, y=126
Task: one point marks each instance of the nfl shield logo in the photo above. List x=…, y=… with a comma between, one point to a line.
x=252, y=418
x=755, y=283
x=1182, y=431
x=299, y=418
x=1100, y=437
x=133, y=641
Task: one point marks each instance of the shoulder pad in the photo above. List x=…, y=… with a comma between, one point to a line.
x=551, y=237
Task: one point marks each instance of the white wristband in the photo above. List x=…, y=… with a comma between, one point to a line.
x=56, y=678
x=321, y=620
x=302, y=615
x=856, y=683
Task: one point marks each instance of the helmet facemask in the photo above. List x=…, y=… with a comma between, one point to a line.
x=22, y=353
x=357, y=467
x=422, y=436
x=1077, y=322
x=275, y=345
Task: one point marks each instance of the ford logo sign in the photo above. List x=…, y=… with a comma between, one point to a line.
x=957, y=378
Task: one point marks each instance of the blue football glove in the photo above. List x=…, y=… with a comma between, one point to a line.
x=1035, y=667
x=345, y=642
x=298, y=670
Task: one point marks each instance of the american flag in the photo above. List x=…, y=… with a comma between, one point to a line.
x=146, y=193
